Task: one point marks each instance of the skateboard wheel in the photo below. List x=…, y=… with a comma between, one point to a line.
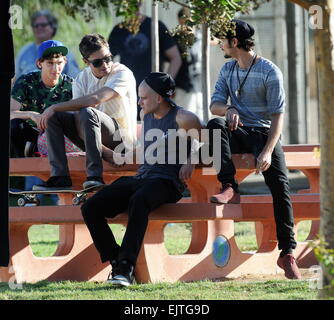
x=21, y=202
x=76, y=201
x=79, y=200
x=24, y=201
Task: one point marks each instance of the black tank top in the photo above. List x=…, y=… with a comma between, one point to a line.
x=164, y=151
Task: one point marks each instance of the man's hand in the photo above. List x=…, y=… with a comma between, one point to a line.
x=45, y=116
x=36, y=117
x=186, y=171
x=263, y=161
x=233, y=119
x=117, y=160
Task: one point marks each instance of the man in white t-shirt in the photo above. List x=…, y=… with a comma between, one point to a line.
x=102, y=114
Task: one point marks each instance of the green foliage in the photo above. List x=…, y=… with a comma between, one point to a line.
x=216, y=14
x=88, y=9
x=185, y=35
x=325, y=256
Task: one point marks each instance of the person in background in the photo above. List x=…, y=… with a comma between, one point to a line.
x=134, y=50
x=44, y=26
x=188, y=91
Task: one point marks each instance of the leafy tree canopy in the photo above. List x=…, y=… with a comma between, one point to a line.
x=216, y=14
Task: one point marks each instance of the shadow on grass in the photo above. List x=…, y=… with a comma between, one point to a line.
x=203, y=290
x=46, y=286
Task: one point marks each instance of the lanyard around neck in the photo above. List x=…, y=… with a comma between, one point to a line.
x=238, y=91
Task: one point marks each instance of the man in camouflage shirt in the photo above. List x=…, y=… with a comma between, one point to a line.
x=34, y=92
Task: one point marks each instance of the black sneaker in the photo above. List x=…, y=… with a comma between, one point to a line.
x=29, y=149
x=113, y=271
x=92, y=182
x=54, y=183
x=123, y=274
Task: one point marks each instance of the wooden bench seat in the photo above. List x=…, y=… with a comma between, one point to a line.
x=252, y=208
x=212, y=227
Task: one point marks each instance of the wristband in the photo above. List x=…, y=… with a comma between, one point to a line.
x=231, y=107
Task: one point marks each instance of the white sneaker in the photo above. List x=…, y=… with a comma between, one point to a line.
x=124, y=275
x=93, y=182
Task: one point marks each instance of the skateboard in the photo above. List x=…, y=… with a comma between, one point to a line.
x=30, y=197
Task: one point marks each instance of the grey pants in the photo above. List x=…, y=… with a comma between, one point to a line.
x=88, y=128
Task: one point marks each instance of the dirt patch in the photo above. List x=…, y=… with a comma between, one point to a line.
x=306, y=275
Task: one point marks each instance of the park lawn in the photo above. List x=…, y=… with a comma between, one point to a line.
x=200, y=290
x=44, y=240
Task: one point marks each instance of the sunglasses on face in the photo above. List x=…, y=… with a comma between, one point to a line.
x=98, y=62
x=43, y=25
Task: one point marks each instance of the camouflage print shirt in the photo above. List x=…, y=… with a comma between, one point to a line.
x=33, y=95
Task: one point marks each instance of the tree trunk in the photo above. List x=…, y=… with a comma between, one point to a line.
x=323, y=39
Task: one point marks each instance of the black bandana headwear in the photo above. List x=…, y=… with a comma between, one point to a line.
x=163, y=84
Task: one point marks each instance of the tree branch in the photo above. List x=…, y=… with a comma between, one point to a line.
x=181, y=4
x=306, y=4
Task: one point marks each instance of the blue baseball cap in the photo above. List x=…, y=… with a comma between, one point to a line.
x=51, y=46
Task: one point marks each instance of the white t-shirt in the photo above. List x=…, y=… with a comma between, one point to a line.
x=122, y=108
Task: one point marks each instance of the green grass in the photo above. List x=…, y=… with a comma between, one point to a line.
x=43, y=239
x=199, y=290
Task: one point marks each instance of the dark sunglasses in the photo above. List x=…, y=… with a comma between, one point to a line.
x=97, y=63
x=43, y=25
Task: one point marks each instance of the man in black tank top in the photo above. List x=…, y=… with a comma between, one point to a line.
x=160, y=178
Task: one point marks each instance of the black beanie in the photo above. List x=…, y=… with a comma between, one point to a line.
x=163, y=84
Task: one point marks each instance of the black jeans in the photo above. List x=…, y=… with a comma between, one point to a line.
x=136, y=196
x=20, y=133
x=252, y=140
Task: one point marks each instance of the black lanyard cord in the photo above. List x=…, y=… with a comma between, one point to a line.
x=238, y=91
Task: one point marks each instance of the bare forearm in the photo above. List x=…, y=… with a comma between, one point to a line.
x=174, y=68
x=218, y=109
x=274, y=132
x=175, y=61
x=24, y=115
x=75, y=104
x=91, y=100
